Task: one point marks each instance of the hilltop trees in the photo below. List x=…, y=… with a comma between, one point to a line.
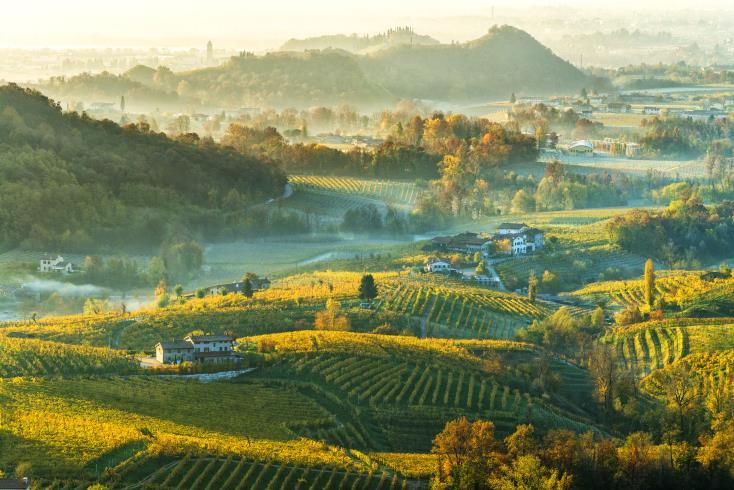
x=685, y=232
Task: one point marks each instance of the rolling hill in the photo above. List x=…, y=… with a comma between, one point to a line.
x=504, y=61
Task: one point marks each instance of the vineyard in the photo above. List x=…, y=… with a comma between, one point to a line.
x=205, y=472
x=390, y=191
x=646, y=347
x=66, y=427
x=581, y=264
x=672, y=286
x=328, y=207
x=384, y=385
x=31, y=357
x=409, y=386
x=455, y=310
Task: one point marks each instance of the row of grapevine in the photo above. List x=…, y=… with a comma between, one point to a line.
x=387, y=190
x=459, y=311
x=32, y=357
x=651, y=348
x=206, y=473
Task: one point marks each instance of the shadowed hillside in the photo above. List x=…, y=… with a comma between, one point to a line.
x=69, y=181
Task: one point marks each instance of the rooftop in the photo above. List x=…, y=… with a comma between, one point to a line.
x=13, y=484
x=210, y=338
x=177, y=344
x=512, y=226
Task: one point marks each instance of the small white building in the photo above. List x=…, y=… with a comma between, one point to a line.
x=438, y=266
x=511, y=228
x=486, y=280
x=55, y=264
x=651, y=111
x=581, y=147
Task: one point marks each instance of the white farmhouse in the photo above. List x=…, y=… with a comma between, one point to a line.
x=55, y=264
x=437, y=266
x=518, y=239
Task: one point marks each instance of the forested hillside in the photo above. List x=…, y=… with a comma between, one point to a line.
x=71, y=182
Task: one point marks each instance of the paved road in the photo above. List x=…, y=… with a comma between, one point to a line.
x=491, y=270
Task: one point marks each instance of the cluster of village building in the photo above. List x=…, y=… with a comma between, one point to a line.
x=510, y=239
x=622, y=104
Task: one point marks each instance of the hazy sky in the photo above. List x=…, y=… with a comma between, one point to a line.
x=252, y=24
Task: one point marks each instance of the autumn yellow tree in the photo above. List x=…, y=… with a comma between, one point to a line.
x=331, y=318
x=466, y=452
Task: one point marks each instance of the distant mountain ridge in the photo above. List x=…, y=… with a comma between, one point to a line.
x=504, y=61
x=357, y=44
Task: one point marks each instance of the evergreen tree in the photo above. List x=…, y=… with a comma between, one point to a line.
x=247, y=288
x=649, y=282
x=367, y=288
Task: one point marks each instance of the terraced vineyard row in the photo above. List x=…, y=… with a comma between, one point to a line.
x=387, y=190
x=462, y=311
x=651, y=348
x=209, y=473
x=382, y=384
x=327, y=204
x=672, y=287
x=31, y=357
x=598, y=260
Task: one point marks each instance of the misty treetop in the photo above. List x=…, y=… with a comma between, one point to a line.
x=70, y=182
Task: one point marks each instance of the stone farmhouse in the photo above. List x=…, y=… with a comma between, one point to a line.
x=203, y=349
